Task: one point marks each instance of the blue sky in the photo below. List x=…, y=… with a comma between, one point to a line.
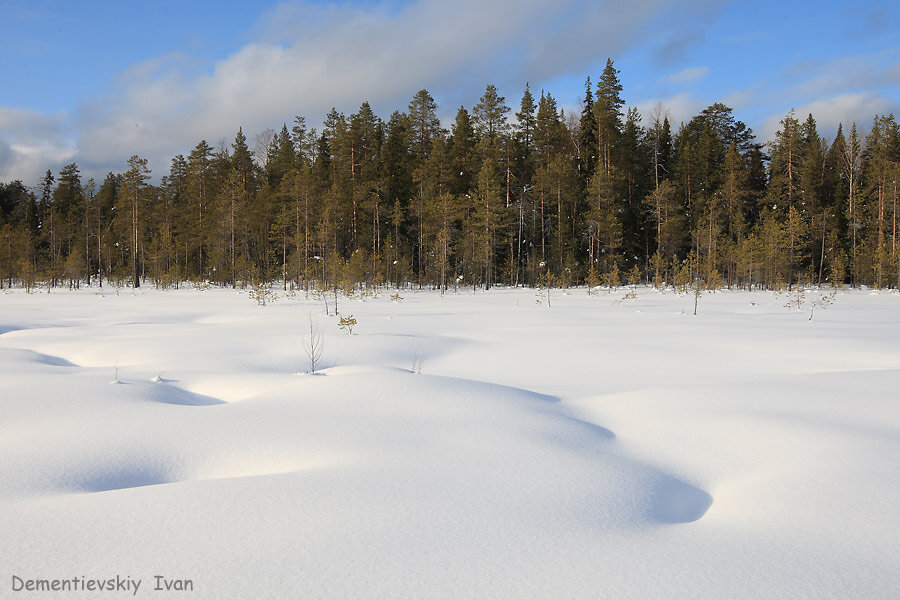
x=95, y=82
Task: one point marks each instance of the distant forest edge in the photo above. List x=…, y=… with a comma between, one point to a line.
x=536, y=198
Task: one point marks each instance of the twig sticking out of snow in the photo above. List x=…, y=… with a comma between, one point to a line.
x=418, y=361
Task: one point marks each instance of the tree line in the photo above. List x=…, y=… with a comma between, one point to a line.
x=531, y=197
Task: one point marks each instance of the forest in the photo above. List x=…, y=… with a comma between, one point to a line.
x=527, y=197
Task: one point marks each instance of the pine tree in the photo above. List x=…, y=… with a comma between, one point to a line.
x=666, y=215
x=520, y=179
x=424, y=122
x=811, y=171
x=880, y=167
x=548, y=136
x=734, y=194
x=605, y=228
x=850, y=165
x=134, y=184
x=441, y=209
x=197, y=189
x=485, y=220
x=490, y=121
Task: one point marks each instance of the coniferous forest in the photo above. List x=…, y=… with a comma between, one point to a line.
x=512, y=195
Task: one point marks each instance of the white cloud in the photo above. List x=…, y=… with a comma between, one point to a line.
x=688, y=75
x=740, y=98
x=828, y=113
x=853, y=73
x=30, y=142
x=306, y=57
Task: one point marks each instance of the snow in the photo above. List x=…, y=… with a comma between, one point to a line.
x=599, y=447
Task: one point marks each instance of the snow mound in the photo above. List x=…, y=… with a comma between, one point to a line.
x=675, y=501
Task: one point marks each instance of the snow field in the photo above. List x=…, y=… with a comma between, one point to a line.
x=600, y=447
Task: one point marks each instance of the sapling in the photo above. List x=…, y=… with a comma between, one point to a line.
x=693, y=264
x=546, y=281
x=313, y=344
x=321, y=293
x=347, y=323
x=592, y=281
x=822, y=302
x=116, y=372
x=611, y=279
x=634, y=277
x=698, y=290
x=262, y=294
x=796, y=297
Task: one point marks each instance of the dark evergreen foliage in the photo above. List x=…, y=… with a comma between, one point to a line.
x=532, y=200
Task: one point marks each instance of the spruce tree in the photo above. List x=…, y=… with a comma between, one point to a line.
x=609, y=114
x=525, y=121
x=587, y=136
x=635, y=165
x=463, y=153
x=242, y=161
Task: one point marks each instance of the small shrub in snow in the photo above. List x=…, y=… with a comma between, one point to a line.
x=592, y=281
x=796, y=298
x=347, y=323
x=262, y=294
x=612, y=279
x=634, y=276
x=682, y=279
x=546, y=281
